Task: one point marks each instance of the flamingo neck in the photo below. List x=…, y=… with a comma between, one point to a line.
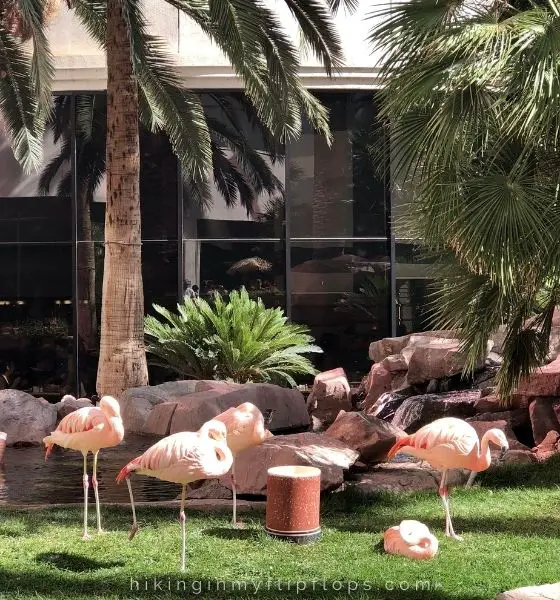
x=483, y=458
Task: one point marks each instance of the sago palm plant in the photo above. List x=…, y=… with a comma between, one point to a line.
x=236, y=339
x=472, y=101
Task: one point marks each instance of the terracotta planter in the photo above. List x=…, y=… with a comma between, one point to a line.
x=3, y=437
x=293, y=503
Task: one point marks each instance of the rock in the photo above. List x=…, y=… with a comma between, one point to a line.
x=403, y=477
x=420, y=410
x=543, y=418
x=317, y=426
x=371, y=437
x=330, y=395
x=394, y=363
x=302, y=449
x=24, y=418
x=377, y=382
x=544, y=381
x=514, y=418
x=494, y=359
x=432, y=386
x=549, y=591
x=433, y=358
x=548, y=447
x=69, y=404
x=554, y=339
x=518, y=457
x=202, y=400
x=380, y=349
x=209, y=489
x=159, y=419
x=481, y=427
x=488, y=403
x=387, y=404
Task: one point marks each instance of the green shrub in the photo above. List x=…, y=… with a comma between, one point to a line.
x=237, y=339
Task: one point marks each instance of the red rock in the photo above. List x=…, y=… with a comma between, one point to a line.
x=330, y=455
x=481, y=427
x=545, y=381
x=416, y=411
x=69, y=404
x=330, y=395
x=518, y=457
x=548, y=447
x=159, y=420
x=371, y=437
x=543, y=418
x=514, y=418
x=380, y=349
x=377, y=382
x=395, y=363
x=488, y=404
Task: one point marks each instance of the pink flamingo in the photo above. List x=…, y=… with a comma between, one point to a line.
x=411, y=539
x=450, y=443
x=182, y=458
x=89, y=429
x=246, y=427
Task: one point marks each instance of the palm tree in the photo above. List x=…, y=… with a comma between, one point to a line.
x=142, y=81
x=471, y=98
x=25, y=78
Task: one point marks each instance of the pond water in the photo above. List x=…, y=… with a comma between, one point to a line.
x=25, y=477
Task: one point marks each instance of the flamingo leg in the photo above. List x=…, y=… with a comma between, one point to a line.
x=444, y=493
x=182, y=519
x=96, y=492
x=86, y=486
x=471, y=479
x=134, y=529
x=234, y=491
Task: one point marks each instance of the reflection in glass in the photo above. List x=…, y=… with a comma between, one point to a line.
x=159, y=271
x=335, y=191
x=342, y=291
x=412, y=309
x=245, y=197
x=36, y=318
x=35, y=207
x=228, y=265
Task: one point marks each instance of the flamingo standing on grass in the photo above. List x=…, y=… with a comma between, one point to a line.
x=89, y=429
x=451, y=443
x=246, y=427
x=182, y=458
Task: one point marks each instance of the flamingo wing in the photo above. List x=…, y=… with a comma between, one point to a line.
x=81, y=430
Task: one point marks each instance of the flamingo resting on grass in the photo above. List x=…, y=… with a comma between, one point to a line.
x=246, y=427
x=89, y=429
x=411, y=539
x=182, y=458
x=450, y=443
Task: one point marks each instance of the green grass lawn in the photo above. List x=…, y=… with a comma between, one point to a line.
x=511, y=539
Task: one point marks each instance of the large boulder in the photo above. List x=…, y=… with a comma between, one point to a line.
x=197, y=401
x=543, y=418
x=301, y=449
x=420, y=410
x=69, y=404
x=516, y=417
x=433, y=358
x=378, y=382
x=330, y=395
x=548, y=447
x=371, y=437
x=25, y=419
x=387, y=404
x=381, y=349
x=544, y=382
x=290, y=411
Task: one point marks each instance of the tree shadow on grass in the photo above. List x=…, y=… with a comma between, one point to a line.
x=232, y=533
x=76, y=563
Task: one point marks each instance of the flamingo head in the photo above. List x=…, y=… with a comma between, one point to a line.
x=498, y=438
x=214, y=430
x=110, y=406
x=413, y=533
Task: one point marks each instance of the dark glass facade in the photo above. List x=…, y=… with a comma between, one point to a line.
x=319, y=244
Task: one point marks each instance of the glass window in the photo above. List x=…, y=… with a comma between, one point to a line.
x=412, y=309
x=245, y=197
x=158, y=176
x=159, y=271
x=36, y=319
x=227, y=265
x=36, y=206
x=336, y=191
x=342, y=291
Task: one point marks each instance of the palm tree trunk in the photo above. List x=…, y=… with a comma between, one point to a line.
x=122, y=359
